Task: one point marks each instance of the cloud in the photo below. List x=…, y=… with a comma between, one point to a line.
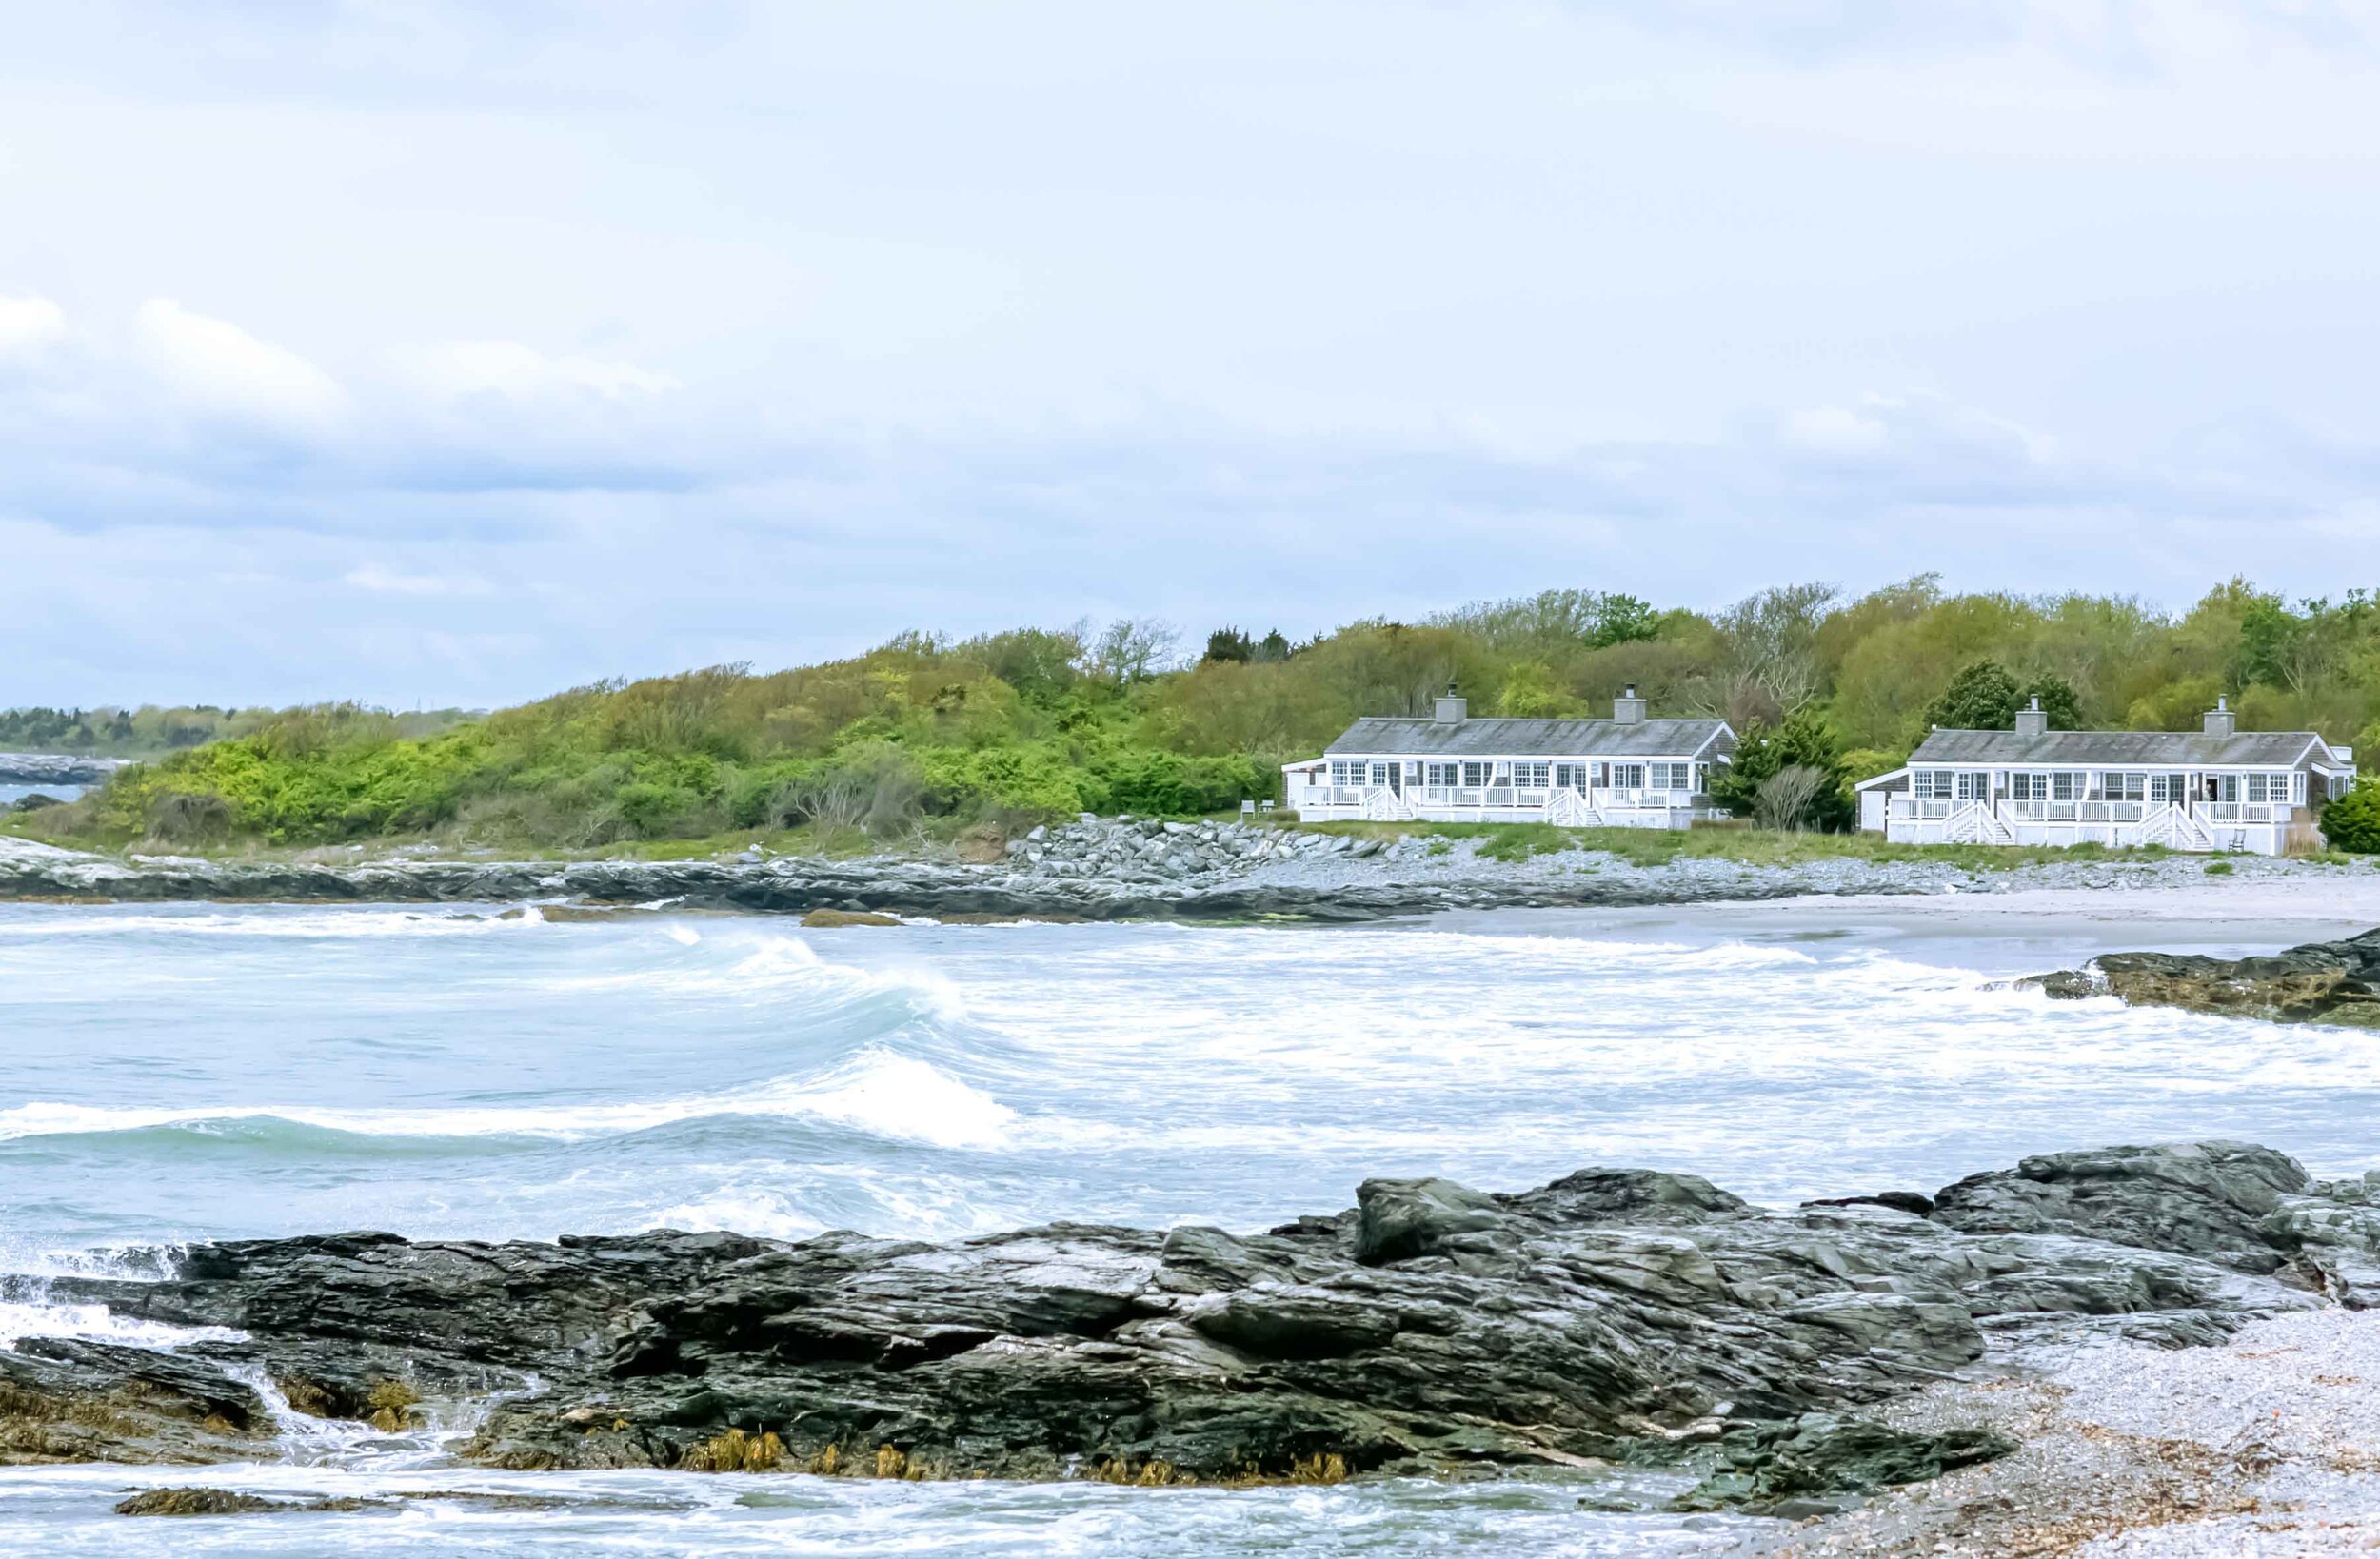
x=1834, y=430
x=216, y=367
x=462, y=368
x=389, y=581
x=30, y=325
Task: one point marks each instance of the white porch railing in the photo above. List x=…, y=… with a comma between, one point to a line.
x=1556, y=802
x=2176, y=826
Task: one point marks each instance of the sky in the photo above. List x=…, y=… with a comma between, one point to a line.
x=431, y=354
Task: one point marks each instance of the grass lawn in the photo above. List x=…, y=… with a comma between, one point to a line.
x=1751, y=846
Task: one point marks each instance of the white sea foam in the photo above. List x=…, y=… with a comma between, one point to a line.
x=273, y=923
x=40, y=1317
x=876, y=1092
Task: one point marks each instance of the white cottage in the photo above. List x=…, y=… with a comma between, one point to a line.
x=2218, y=788
x=1627, y=770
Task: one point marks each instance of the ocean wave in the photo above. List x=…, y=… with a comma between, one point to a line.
x=877, y=1092
x=35, y=1316
x=751, y=962
x=271, y=923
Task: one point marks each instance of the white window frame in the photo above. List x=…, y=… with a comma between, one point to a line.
x=1475, y=773
x=1971, y=785
x=1628, y=777
x=1532, y=774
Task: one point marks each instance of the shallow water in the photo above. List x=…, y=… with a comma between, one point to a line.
x=189, y=1072
x=12, y=791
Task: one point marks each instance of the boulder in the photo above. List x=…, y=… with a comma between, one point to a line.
x=2205, y=1199
x=2323, y=982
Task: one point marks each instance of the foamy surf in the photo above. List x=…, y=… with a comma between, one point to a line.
x=876, y=1092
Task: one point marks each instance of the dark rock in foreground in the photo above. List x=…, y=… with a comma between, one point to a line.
x=1611, y=1313
x=1808, y=1466
x=2321, y=982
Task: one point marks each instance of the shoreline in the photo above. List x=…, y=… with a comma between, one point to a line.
x=1224, y=873
x=2030, y=1361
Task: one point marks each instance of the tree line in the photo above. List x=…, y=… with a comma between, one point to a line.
x=933, y=733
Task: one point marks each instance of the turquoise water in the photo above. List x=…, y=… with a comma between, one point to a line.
x=12, y=791
x=189, y=1072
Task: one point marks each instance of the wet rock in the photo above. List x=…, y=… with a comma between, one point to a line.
x=2322, y=983
x=67, y=1400
x=2205, y=1199
x=220, y=1502
x=1808, y=1466
x=201, y=1502
x=818, y=918
x=1432, y=1325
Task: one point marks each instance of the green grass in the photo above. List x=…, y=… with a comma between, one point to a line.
x=1731, y=843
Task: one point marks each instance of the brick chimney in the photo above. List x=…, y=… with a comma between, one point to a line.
x=2220, y=720
x=2032, y=719
x=1628, y=709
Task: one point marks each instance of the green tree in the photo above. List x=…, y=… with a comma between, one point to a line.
x=1801, y=742
x=1229, y=644
x=2352, y=821
x=1985, y=697
x=1530, y=693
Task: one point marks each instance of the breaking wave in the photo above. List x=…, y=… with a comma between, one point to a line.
x=877, y=1093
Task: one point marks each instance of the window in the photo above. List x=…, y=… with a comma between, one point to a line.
x=2062, y=786
x=1570, y=776
x=1628, y=777
x=1475, y=773
x=2169, y=789
x=1931, y=784
x=1437, y=774
x=2256, y=784
x=2028, y=787
x=1380, y=773
x=1672, y=776
x=2225, y=787
x=1974, y=785
x=2123, y=787
x=1531, y=776
x=2337, y=786
x=1346, y=773
x=2297, y=788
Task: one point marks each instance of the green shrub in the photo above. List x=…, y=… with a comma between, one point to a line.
x=2352, y=821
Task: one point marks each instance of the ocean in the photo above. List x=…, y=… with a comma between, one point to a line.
x=184, y=1073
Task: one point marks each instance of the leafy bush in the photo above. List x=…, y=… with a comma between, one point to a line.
x=2352, y=821
x=1823, y=798
x=191, y=817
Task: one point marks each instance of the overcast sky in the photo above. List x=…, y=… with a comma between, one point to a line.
x=457, y=354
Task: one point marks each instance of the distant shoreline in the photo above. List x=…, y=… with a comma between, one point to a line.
x=1327, y=883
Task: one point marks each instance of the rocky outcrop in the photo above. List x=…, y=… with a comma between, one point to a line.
x=2321, y=982
x=800, y=885
x=56, y=769
x=1611, y=1313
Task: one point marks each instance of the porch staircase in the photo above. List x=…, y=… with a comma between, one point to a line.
x=2176, y=829
x=1382, y=804
x=1977, y=823
x=1568, y=809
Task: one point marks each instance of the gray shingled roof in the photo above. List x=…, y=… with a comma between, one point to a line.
x=1532, y=738
x=2133, y=749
